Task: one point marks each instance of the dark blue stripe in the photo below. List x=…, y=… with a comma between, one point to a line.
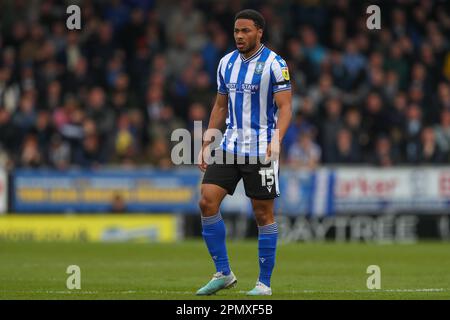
x=313, y=186
x=222, y=89
x=330, y=198
x=238, y=101
x=228, y=71
x=280, y=61
x=255, y=106
x=230, y=125
x=271, y=108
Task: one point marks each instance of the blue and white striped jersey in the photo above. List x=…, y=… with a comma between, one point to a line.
x=252, y=112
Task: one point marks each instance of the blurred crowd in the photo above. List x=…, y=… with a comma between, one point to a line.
x=113, y=92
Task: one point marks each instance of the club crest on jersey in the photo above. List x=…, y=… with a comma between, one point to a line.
x=259, y=67
x=285, y=73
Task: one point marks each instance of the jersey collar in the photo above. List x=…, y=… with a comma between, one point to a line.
x=257, y=53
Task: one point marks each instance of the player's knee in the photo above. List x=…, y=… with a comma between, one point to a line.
x=263, y=215
x=207, y=206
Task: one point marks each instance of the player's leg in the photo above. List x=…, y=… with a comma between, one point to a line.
x=261, y=185
x=219, y=180
x=267, y=244
x=213, y=226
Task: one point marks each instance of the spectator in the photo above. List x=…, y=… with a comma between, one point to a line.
x=443, y=96
x=78, y=79
x=8, y=133
x=186, y=23
x=430, y=151
x=158, y=154
x=125, y=140
x=331, y=125
x=353, y=61
x=90, y=154
x=397, y=118
x=154, y=103
x=345, y=150
x=118, y=204
x=323, y=91
x=313, y=51
x=9, y=90
x=54, y=96
x=442, y=131
x=71, y=128
x=59, y=153
x=413, y=129
x=43, y=131
x=25, y=117
x=385, y=155
x=375, y=119
x=201, y=91
x=197, y=112
x=305, y=154
x=30, y=156
x=353, y=124
x=168, y=123
x=296, y=128
x=396, y=63
x=151, y=62
x=99, y=111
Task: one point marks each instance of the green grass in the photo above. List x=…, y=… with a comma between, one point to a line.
x=175, y=271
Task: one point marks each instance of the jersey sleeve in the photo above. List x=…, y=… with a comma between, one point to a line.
x=221, y=87
x=280, y=75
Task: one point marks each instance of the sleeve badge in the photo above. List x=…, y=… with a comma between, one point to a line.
x=285, y=73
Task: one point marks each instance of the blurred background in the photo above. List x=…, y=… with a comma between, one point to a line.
x=86, y=118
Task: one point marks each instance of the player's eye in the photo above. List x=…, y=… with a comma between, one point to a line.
x=243, y=30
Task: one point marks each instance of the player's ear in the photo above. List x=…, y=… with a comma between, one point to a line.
x=260, y=33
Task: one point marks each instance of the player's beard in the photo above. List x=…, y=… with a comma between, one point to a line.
x=251, y=46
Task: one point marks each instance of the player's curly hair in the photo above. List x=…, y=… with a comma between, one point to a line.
x=254, y=15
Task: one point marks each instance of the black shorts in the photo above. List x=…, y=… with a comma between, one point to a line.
x=260, y=180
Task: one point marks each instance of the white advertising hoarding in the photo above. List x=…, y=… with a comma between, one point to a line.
x=373, y=189
x=3, y=191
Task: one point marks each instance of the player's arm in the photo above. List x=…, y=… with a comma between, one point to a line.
x=216, y=121
x=281, y=88
x=283, y=101
x=218, y=114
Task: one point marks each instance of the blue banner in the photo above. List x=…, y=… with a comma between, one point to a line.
x=176, y=191
x=321, y=192
x=100, y=191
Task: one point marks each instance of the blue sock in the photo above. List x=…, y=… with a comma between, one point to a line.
x=214, y=234
x=267, y=245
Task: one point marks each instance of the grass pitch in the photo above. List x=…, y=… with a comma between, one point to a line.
x=175, y=271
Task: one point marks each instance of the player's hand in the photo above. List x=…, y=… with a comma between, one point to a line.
x=272, y=151
x=202, y=156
